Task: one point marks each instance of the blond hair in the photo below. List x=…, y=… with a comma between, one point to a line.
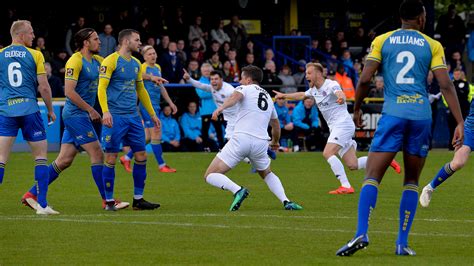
x=18, y=27
x=146, y=48
x=316, y=66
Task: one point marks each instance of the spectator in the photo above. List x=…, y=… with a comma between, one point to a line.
x=236, y=32
x=145, y=29
x=178, y=26
x=315, y=51
x=108, y=43
x=41, y=46
x=269, y=56
x=218, y=34
x=287, y=132
x=162, y=27
x=215, y=62
x=59, y=63
x=123, y=21
x=346, y=83
x=180, y=51
x=300, y=75
x=271, y=81
x=462, y=91
x=226, y=75
x=171, y=134
x=191, y=123
x=452, y=30
x=196, y=55
x=346, y=59
x=171, y=66
x=215, y=48
x=164, y=43
x=456, y=61
x=249, y=60
x=289, y=83
x=234, y=65
x=360, y=39
x=470, y=47
x=55, y=83
x=196, y=45
x=196, y=32
x=377, y=91
x=306, y=121
x=193, y=69
x=331, y=74
x=250, y=49
x=73, y=29
x=225, y=51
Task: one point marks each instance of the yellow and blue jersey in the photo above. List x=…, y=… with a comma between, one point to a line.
x=19, y=68
x=86, y=74
x=406, y=57
x=153, y=89
x=470, y=118
x=124, y=76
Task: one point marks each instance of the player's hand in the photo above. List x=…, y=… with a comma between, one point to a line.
x=274, y=145
x=174, y=109
x=279, y=95
x=51, y=117
x=94, y=115
x=156, y=122
x=158, y=80
x=341, y=100
x=358, y=119
x=216, y=113
x=107, y=120
x=458, y=137
x=289, y=126
x=186, y=75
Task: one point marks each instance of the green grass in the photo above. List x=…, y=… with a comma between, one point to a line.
x=194, y=226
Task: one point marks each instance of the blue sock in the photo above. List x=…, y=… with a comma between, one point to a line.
x=139, y=176
x=42, y=178
x=2, y=171
x=408, y=205
x=158, y=152
x=367, y=201
x=97, y=175
x=108, y=177
x=130, y=154
x=444, y=173
x=53, y=171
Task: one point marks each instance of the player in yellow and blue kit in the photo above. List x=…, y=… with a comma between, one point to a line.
x=151, y=74
x=80, y=86
x=22, y=74
x=120, y=81
x=405, y=55
x=461, y=156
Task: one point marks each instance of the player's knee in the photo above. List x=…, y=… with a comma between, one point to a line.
x=353, y=166
x=140, y=156
x=456, y=165
x=64, y=163
x=97, y=156
x=327, y=154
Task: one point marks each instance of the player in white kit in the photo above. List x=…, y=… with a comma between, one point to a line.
x=331, y=102
x=250, y=139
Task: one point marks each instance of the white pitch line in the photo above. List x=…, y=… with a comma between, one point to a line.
x=222, y=226
x=121, y=214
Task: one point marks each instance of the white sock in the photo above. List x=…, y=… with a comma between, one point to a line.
x=162, y=165
x=223, y=182
x=275, y=186
x=361, y=162
x=127, y=158
x=338, y=170
x=137, y=197
x=246, y=160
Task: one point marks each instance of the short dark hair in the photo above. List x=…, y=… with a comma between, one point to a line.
x=81, y=36
x=410, y=9
x=216, y=72
x=253, y=72
x=126, y=33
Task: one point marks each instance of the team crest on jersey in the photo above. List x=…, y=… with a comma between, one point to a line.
x=123, y=69
x=90, y=134
x=324, y=93
x=70, y=72
x=107, y=138
x=103, y=69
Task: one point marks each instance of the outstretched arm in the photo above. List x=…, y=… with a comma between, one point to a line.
x=293, y=96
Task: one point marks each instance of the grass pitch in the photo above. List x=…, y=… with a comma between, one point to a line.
x=194, y=226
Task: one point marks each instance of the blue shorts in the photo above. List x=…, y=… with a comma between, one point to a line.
x=394, y=134
x=31, y=126
x=147, y=122
x=469, y=138
x=78, y=131
x=126, y=130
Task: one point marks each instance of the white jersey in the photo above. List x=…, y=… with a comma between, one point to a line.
x=326, y=98
x=255, y=111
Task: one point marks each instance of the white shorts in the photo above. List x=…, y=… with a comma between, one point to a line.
x=243, y=145
x=229, y=131
x=341, y=134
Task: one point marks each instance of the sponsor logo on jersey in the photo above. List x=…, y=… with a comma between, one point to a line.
x=90, y=134
x=107, y=138
x=15, y=101
x=70, y=72
x=103, y=69
x=402, y=99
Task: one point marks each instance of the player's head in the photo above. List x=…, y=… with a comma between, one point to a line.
x=314, y=71
x=149, y=54
x=251, y=75
x=413, y=12
x=22, y=32
x=87, y=38
x=129, y=39
x=216, y=79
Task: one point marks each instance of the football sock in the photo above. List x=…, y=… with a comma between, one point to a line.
x=108, y=177
x=158, y=152
x=139, y=177
x=444, y=173
x=42, y=177
x=97, y=175
x=223, y=182
x=275, y=186
x=129, y=155
x=367, y=201
x=408, y=205
x=53, y=171
x=2, y=171
x=338, y=170
x=361, y=162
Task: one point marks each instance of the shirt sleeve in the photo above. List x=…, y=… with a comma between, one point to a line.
x=308, y=92
x=73, y=68
x=375, y=52
x=39, y=59
x=106, y=69
x=438, y=60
